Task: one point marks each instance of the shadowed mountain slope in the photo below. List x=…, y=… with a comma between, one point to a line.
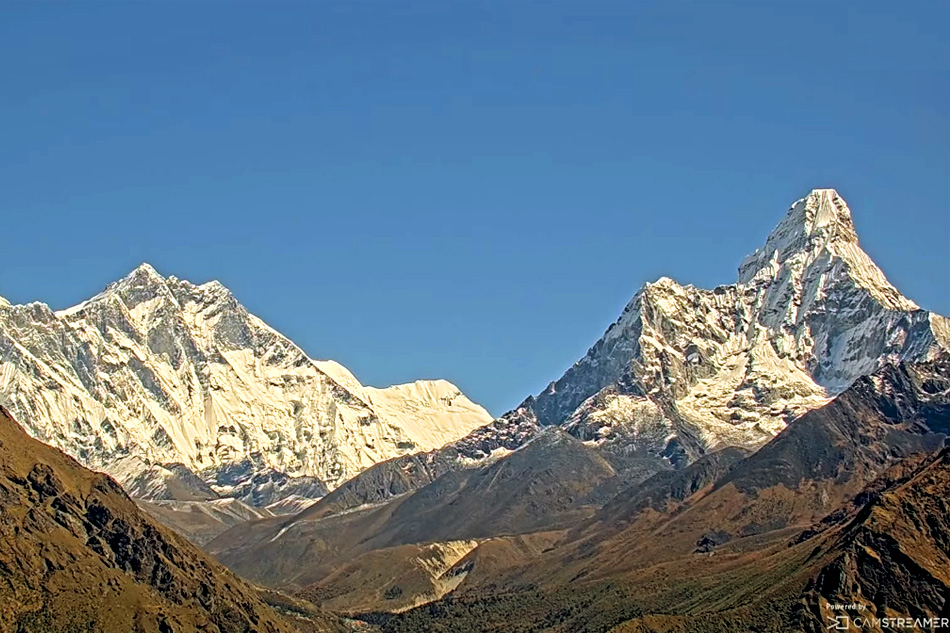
x=550, y=483
x=76, y=554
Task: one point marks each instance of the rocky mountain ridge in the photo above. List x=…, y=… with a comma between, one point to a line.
x=809, y=314
x=547, y=528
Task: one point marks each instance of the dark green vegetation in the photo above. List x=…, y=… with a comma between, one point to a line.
x=584, y=611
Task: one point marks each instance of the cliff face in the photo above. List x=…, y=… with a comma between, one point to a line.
x=892, y=559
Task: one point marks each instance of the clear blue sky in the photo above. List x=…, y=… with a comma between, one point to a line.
x=459, y=189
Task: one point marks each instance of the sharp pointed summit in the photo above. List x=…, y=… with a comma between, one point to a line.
x=818, y=223
x=810, y=313
x=145, y=269
x=142, y=275
x=812, y=251
x=140, y=285
x=822, y=214
x=685, y=370
x=157, y=371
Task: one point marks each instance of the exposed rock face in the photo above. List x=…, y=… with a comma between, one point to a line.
x=409, y=472
x=201, y=521
x=892, y=559
x=549, y=483
x=153, y=372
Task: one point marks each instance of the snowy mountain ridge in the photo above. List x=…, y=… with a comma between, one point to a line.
x=156, y=371
x=809, y=314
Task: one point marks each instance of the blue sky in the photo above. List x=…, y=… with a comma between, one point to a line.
x=459, y=189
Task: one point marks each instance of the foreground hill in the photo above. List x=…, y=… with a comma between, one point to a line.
x=892, y=558
x=76, y=554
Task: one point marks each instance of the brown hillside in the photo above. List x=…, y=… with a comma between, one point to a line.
x=76, y=554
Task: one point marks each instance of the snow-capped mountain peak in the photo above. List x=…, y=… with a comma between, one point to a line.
x=155, y=371
x=822, y=214
x=809, y=313
x=142, y=284
x=820, y=220
x=143, y=275
x=815, y=242
x=684, y=371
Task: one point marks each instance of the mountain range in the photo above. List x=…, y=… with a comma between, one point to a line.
x=845, y=506
x=685, y=371
x=704, y=459
x=754, y=457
